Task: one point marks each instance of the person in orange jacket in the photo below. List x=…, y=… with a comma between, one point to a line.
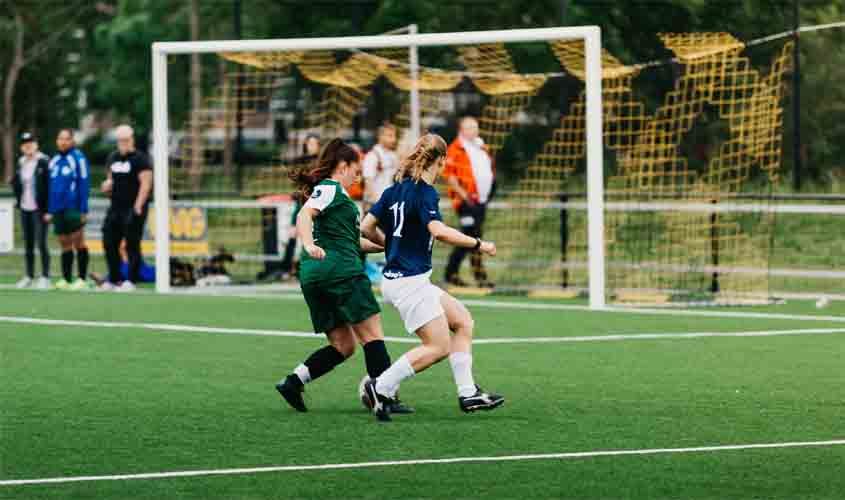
x=471, y=174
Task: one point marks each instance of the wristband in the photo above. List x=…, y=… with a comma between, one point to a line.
x=477, y=244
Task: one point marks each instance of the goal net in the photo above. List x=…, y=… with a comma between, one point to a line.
x=680, y=143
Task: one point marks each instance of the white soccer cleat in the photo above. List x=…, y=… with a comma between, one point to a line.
x=366, y=402
x=126, y=286
x=107, y=286
x=78, y=284
x=43, y=283
x=24, y=282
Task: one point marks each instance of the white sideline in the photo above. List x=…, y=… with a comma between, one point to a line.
x=502, y=304
x=168, y=327
x=429, y=461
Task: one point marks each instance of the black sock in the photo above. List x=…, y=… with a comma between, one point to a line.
x=67, y=265
x=377, y=358
x=83, y=262
x=322, y=361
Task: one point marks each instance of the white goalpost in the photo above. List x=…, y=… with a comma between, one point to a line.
x=591, y=36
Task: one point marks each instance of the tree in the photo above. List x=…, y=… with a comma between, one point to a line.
x=31, y=37
x=196, y=160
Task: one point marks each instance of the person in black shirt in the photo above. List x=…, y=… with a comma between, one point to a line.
x=129, y=182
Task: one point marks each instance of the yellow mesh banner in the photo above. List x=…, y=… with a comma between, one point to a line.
x=715, y=85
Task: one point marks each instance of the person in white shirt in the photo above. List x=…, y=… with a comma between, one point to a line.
x=380, y=165
x=31, y=186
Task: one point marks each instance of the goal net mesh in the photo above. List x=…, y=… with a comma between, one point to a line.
x=682, y=138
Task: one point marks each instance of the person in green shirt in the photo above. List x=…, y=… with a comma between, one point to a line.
x=331, y=274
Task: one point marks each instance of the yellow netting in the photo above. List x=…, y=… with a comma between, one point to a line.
x=714, y=82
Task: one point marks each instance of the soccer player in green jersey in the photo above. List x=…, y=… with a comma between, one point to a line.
x=336, y=288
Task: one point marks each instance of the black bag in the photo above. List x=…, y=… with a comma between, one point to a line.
x=181, y=273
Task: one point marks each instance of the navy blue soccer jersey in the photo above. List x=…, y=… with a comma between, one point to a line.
x=403, y=212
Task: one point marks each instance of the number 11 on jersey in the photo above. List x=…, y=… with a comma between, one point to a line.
x=398, y=218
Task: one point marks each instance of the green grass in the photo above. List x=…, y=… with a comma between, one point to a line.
x=89, y=401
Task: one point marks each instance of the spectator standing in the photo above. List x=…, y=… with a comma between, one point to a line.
x=129, y=182
x=380, y=165
x=470, y=172
x=68, y=208
x=31, y=185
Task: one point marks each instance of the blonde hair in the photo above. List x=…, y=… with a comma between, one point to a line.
x=429, y=149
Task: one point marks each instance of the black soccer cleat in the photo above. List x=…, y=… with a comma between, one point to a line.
x=292, y=391
x=480, y=401
x=396, y=406
x=380, y=403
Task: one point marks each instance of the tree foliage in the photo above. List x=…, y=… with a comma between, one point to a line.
x=117, y=65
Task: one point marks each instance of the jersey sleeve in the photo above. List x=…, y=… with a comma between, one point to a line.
x=322, y=196
x=429, y=207
x=84, y=184
x=378, y=209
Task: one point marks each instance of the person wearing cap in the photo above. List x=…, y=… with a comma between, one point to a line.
x=31, y=185
x=68, y=207
x=129, y=183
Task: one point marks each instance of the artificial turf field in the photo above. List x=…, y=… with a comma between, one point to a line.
x=89, y=397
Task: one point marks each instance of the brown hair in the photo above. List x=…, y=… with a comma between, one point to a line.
x=63, y=130
x=306, y=176
x=429, y=149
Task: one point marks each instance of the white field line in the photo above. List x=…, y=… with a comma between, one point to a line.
x=168, y=327
x=430, y=461
x=496, y=304
x=501, y=304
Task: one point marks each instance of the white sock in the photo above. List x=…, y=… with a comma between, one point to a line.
x=303, y=373
x=462, y=370
x=388, y=382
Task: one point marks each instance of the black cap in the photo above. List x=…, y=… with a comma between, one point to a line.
x=27, y=137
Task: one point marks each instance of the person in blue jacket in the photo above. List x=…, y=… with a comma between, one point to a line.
x=68, y=208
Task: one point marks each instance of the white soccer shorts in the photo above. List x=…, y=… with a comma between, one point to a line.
x=416, y=299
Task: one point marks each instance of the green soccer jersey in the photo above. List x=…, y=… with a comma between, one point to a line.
x=337, y=231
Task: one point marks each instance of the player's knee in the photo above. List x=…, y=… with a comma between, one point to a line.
x=440, y=350
x=464, y=325
x=345, y=346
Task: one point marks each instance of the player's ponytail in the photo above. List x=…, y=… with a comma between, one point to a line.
x=429, y=149
x=306, y=176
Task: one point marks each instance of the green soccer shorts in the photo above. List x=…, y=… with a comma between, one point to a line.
x=342, y=302
x=67, y=222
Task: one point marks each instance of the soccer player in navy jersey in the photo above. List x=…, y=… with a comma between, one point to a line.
x=406, y=220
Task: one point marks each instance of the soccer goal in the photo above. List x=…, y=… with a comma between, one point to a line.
x=630, y=183
x=328, y=86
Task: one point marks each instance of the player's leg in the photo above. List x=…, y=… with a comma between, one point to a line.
x=470, y=396
x=320, y=362
x=466, y=218
x=357, y=305
x=435, y=347
x=112, y=235
x=134, y=234
x=67, y=255
x=82, y=257
x=326, y=317
x=371, y=337
x=476, y=259
x=41, y=241
x=29, y=237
